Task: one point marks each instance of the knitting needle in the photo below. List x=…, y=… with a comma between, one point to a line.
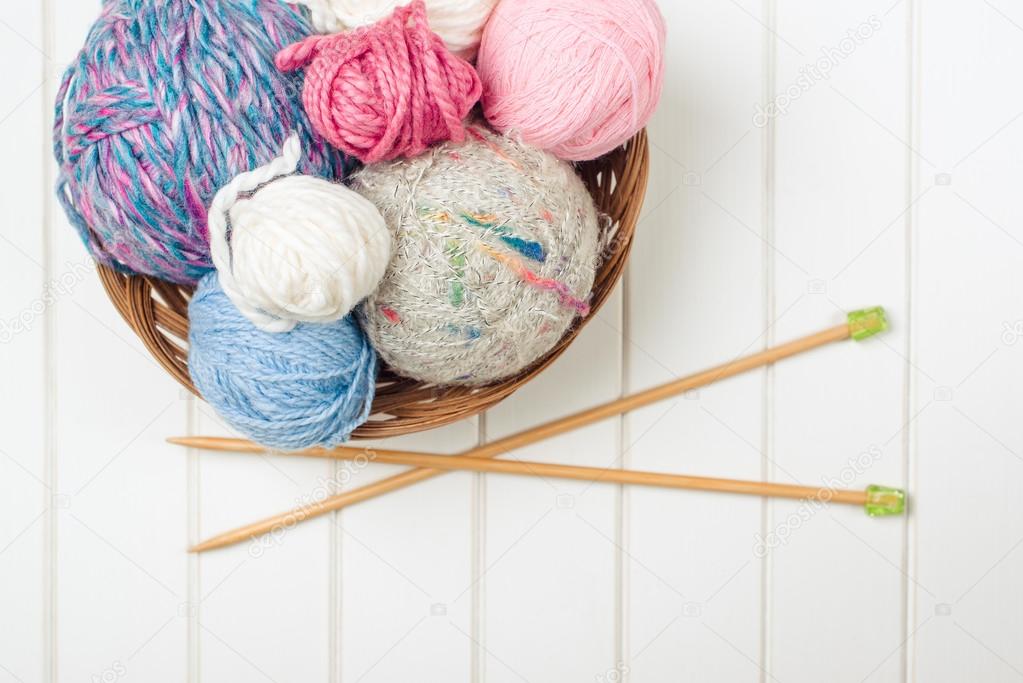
x=877, y=500
x=859, y=325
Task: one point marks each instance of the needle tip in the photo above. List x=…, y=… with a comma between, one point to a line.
x=866, y=323
x=885, y=501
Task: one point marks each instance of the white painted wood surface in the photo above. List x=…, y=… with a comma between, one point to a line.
x=888, y=174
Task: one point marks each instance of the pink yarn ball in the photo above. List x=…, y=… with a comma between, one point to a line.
x=575, y=77
x=387, y=90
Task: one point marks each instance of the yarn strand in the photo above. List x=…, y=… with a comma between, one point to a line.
x=458, y=22
x=385, y=91
x=291, y=248
x=219, y=223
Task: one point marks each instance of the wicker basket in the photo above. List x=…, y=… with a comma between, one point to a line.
x=158, y=312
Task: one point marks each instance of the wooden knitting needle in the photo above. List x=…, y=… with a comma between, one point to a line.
x=859, y=325
x=891, y=502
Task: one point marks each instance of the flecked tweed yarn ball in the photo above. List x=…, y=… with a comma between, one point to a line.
x=387, y=90
x=308, y=387
x=166, y=103
x=458, y=22
x=575, y=77
x=496, y=248
x=295, y=248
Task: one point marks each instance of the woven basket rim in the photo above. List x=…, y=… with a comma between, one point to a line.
x=157, y=311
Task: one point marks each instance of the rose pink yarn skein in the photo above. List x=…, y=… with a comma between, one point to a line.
x=577, y=78
x=385, y=91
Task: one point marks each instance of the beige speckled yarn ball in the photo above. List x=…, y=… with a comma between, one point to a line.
x=495, y=253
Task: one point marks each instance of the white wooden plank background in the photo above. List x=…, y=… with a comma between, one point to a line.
x=890, y=179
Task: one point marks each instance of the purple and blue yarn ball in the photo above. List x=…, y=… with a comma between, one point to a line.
x=168, y=101
x=308, y=387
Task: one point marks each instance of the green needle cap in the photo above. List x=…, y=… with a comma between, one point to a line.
x=883, y=501
x=867, y=322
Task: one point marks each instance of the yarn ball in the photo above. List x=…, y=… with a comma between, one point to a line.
x=293, y=248
x=458, y=22
x=167, y=101
x=575, y=77
x=496, y=250
x=308, y=387
x=385, y=91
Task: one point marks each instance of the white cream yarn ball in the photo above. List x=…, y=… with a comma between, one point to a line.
x=458, y=22
x=293, y=248
x=496, y=246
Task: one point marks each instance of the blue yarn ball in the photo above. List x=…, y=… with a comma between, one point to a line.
x=308, y=387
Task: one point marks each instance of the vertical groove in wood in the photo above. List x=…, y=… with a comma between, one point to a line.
x=621, y=495
x=911, y=389
x=838, y=236
x=767, y=472
x=477, y=614
x=194, y=597
x=623, y=567
x=49, y=74
x=334, y=590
